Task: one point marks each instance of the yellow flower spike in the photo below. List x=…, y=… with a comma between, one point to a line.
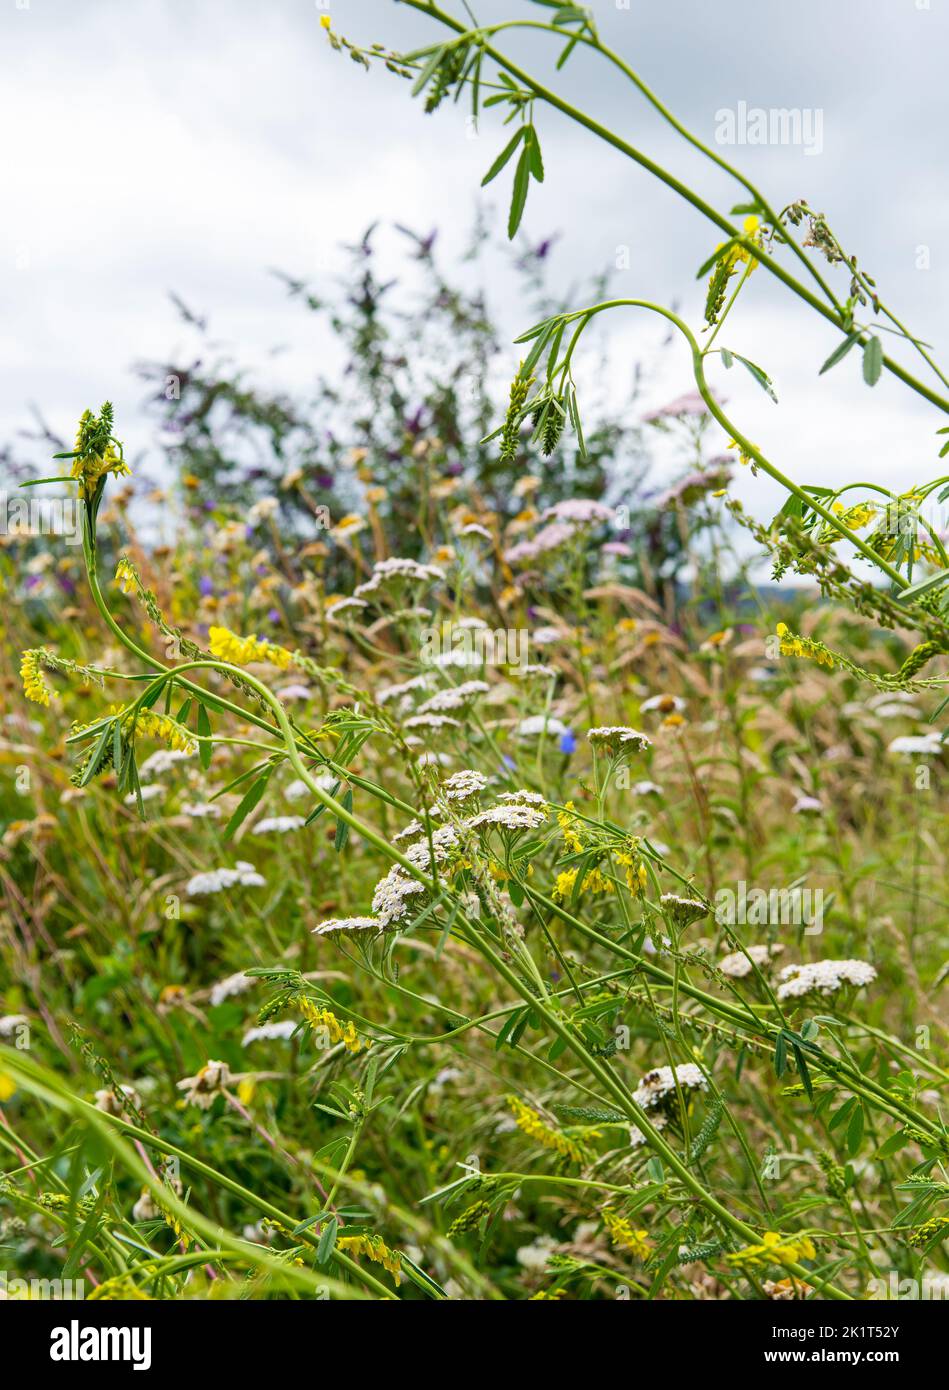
x=564, y=885
x=532, y=1125
x=160, y=727
x=774, y=1249
x=34, y=684
x=568, y=828
x=624, y=1237
x=374, y=1248
x=7, y=1086
x=337, y=1032
x=239, y=651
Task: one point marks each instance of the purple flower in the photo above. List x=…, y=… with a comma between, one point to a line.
x=205, y=586
x=568, y=742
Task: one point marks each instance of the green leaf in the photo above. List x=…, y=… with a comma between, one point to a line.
x=802, y=1070
x=781, y=1054
x=204, y=729
x=248, y=802
x=519, y=194
x=934, y=581
x=655, y=1169
x=536, y=159
x=728, y=360
x=327, y=1241
x=855, y=1130
x=428, y=70
x=716, y=256
x=892, y=1145
x=841, y=1115
x=342, y=827
x=504, y=156
x=761, y=376
x=839, y=353
x=95, y=760
x=872, y=361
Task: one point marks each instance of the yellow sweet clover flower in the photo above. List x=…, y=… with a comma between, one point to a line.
x=568, y=828
x=744, y=458
x=96, y=452
x=637, y=877
x=239, y=651
x=624, y=1237
x=806, y=647
x=337, y=1032
x=563, y=888
x=726, y=265
x=856, y=517
x=7, y=1086
x=374, y=1248
x=929, y=1231
x=738, y=254
x=34, y=684
x=774, y=1249
x=594, y=881
x=165, y=730
x=532, y=1125
x=125, y=576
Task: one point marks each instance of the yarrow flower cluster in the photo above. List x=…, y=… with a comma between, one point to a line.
x=346, y=924
x=457, y=697
x=432, y=721
x=228, y=987
x=618, y=738
x=683, y=911
x=659, y=1083
x=163, y=760
x=536, y=724
x=579, y=511
x=512, y=816
x=388, y=573
x=279, y=825
x=461, y=786
x=824, y=977
x=740, y=963
x=216, y=880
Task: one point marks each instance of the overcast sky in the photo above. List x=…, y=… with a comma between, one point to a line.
x=190, y=145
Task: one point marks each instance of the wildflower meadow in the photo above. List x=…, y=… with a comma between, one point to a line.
x=453, y=847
